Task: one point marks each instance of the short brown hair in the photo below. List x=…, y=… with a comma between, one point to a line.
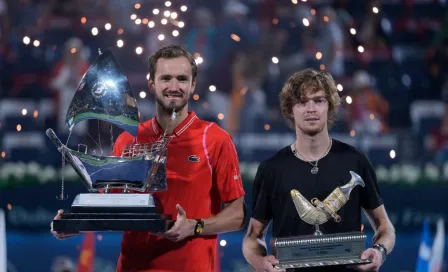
x=171, y=52
x=295, y=89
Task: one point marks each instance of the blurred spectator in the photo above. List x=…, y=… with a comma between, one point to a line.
x=199, y=38
x=438, y=70
x=120, y=12
x=103, y=11
x=347, y=22
x=341, y=9
x=59, y=14
x=4, y=25
x=24, y=16
x=233, y=37
x=199, y=41
x=60, y=20
x=330, y=41
x=369, y=111
x=375, y=28
x=438, y=141
x=66, y=76
x=442, y=35
x=253, y=96
x=288, y=36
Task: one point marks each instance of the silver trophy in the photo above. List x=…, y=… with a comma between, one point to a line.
x=320, y=249
x=104, y=93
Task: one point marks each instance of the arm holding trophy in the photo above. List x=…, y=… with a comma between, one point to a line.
x=227, y=179
x=383, y=240
x=231, y=218
x=255, y=249
x=384, y=232
x=384, y=237
x=254, y=243
x=61, y=235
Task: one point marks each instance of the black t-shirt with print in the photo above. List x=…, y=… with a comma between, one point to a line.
x=278, y=175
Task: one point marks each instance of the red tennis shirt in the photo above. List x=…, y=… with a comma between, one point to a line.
x=202, y=172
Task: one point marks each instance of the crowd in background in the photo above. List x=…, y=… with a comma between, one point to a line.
x=384, y=56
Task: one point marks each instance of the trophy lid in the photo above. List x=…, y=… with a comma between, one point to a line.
x=104, y=93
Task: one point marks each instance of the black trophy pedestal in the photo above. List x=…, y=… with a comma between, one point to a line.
x=321, y=250
x=112, y=212
x=85, y=222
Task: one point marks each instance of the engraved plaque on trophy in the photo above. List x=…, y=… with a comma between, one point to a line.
x=119, y=187
x=320, y=249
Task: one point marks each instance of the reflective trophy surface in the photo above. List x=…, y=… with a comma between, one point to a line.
x=119, y=187
x=320, y=249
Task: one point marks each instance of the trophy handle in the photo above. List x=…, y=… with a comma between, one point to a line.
x=61, y=148
x=50, y=133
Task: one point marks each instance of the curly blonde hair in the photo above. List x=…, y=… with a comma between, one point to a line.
x=300, y=83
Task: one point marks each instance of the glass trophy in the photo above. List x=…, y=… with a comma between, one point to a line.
x=319, y=249
x=120, y=188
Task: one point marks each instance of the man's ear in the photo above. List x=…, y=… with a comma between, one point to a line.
x=193, y=86
x=151, y=85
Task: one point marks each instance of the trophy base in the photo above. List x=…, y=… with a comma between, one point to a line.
x=321, y=250
x=321, y=263
x=81, y=222
x=112, y=212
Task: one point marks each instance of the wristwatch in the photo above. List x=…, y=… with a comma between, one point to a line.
x=383, y=251
x=199, y=228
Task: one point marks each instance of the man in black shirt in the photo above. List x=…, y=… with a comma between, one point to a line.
x=314, y=165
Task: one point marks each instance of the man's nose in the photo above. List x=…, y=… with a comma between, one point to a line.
x=174, y=84
x=311, y=106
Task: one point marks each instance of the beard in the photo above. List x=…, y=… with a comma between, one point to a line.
x=172, y=105
x=311, y=130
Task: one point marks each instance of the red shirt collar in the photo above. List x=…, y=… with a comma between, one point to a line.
x=179, y=129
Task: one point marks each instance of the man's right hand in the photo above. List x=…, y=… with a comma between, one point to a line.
x=59, y=235
x=266, y=264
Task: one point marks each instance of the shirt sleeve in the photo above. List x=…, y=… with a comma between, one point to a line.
x=122, y=140
x=261, y=194
x=370, y=194
x=225, y=165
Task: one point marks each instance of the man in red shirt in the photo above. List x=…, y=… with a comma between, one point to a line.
x=202, y=175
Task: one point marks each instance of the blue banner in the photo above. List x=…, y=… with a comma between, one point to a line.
x=32, y=207
x=408, y=206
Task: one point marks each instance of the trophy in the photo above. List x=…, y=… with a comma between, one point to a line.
x=320, y=249
x=104, y=94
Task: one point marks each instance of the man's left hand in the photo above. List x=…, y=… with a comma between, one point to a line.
x=376, y=257
x=182, y=228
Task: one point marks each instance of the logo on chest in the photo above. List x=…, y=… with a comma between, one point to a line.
x=193, y=158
